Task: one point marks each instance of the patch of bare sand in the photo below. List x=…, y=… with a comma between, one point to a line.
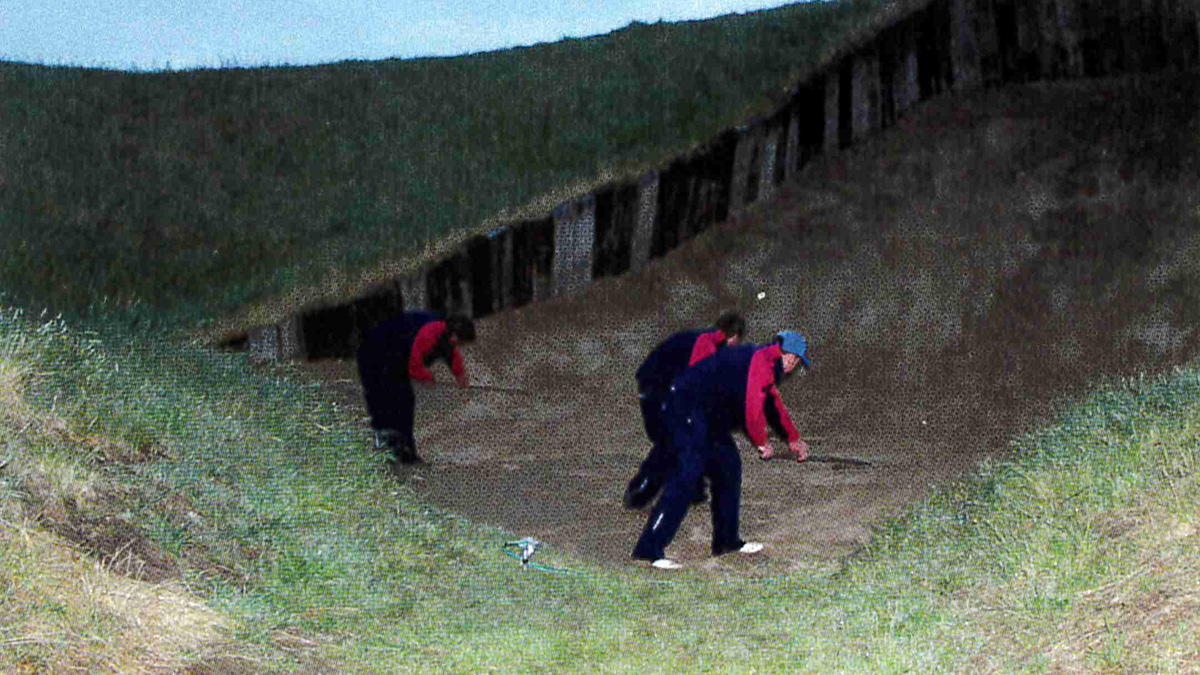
x=958, y=279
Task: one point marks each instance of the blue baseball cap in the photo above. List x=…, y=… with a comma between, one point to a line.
x=794, y=343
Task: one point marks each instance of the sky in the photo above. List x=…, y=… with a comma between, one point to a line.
x=147, y=35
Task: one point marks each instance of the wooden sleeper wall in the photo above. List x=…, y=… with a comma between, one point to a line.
x=947, y=45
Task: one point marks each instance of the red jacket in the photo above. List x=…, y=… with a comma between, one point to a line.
x=760, y=383
x=732, y=388
x=424, y=343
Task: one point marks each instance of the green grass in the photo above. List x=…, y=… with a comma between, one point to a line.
x=278, y=515
x=256, y=498
x=197, y=193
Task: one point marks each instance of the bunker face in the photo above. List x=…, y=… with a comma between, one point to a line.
x=958, y=280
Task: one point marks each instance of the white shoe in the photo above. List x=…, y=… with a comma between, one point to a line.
x=750, y=547
x=666, y=564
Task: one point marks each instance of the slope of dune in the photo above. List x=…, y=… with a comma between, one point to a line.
x=959, y=276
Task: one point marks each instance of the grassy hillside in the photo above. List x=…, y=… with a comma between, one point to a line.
x=194, y=193
x=166, y=507
x=162, y=509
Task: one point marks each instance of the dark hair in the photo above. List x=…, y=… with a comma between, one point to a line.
x=461, y=326
x=731, y=324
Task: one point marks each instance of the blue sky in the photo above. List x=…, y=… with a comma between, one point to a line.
x=178, y=34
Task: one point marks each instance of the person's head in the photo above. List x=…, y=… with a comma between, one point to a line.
x=460, y=327
x=795, y=350
x=732, y=326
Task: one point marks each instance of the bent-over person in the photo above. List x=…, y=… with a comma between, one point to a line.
x=398, y=352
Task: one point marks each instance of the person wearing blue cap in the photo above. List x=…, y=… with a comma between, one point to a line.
x=731, y=390
x=795, y=349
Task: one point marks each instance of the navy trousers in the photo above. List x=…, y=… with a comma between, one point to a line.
x=390, y=399
x=699, y=451
x=660, y=460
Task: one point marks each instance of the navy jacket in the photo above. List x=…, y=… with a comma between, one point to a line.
x=735, y=388
x=674, y=355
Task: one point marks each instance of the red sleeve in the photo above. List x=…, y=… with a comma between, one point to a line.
x=785, y=418
x=760, y=378
x=425, y=340
x=706, y=346
x=456, y=363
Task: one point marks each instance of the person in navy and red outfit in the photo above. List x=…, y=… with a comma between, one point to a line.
x=392, y=356
x=670, y=358
x=707, y=403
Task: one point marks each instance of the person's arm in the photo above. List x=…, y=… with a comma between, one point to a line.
x=781, y=421
x=424, y=342
x=778, y=417
x=649, y=375
x=457, y=366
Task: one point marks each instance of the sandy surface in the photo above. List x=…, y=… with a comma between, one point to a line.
x=958, y=280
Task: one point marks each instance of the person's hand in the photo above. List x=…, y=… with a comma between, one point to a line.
x=800, y=449
x=766, y=451
x=462, y=381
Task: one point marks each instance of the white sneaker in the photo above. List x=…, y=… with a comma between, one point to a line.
x=666, y=564
x=750, y=547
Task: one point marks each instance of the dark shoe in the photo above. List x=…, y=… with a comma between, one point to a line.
x=407, y=456
x=402, y=456
x=641, y=491
x=401, y=449
x=399, y=465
